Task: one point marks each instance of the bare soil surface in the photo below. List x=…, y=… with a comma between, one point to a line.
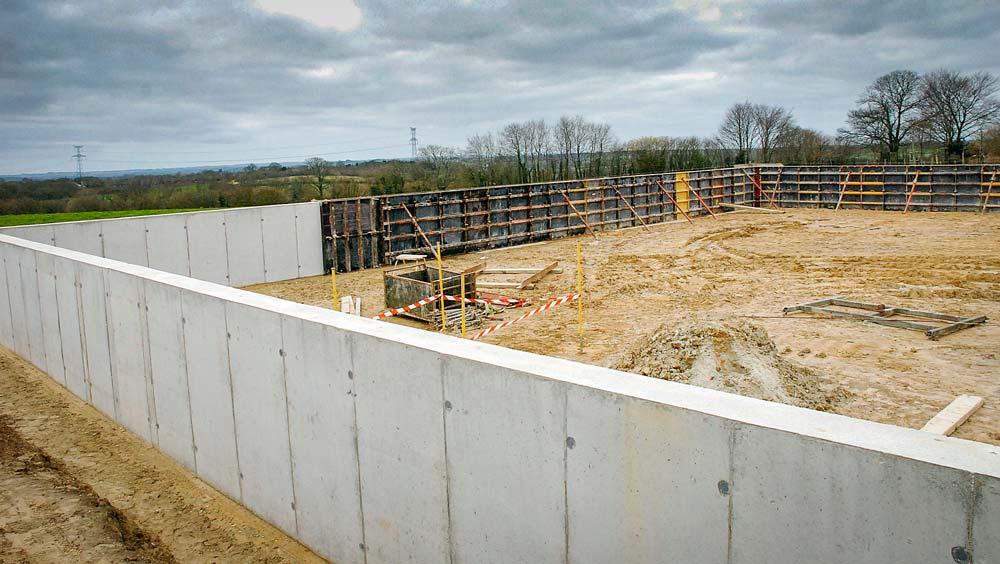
x=702, y=303
x=76, y=487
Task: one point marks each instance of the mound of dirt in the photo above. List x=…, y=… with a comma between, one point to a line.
x=735, y=357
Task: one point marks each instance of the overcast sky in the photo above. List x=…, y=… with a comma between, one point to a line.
x=144, y=84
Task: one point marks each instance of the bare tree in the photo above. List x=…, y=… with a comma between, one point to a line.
x=537, y=144
x=564, y=135
x=771, y=123
x=441, y=161
x=599, y=139
x=484, y=152
x=958, y=106
x=800, y=145
x=319, y=169
x=514, y=143
x=739, y=130
x=887, y=112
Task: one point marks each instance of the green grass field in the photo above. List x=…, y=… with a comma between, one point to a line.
x=31, y=218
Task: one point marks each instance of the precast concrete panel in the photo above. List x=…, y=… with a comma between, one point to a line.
x=70, y=328
x=44, y=234
x=125, y=239
x=506, y=464
x=168, y=373
x=259, y=403
x=127, y=335
x=244, y=247
x=206, y=240
x=645, y=482
x=95, y=338
x=985, y=528
x=280, y=251
x=400, y=407
x=32, y=308
x=15, y=293
x=309, y=238
x=84, y=236
x=206, y=358
x=167, y=243
x=318, y=375
x=6, y=323
x=49, y=305
x=798, y=499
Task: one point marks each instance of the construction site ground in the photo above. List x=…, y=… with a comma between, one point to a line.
x=702, y=303
x=76, y=487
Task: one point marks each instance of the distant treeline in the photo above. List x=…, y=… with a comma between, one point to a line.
x=902, y=117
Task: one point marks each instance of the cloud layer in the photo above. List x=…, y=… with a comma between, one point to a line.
x=175, y=82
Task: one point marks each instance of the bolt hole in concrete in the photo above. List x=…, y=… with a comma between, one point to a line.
x=702, y=304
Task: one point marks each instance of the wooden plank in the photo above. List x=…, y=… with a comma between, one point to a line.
x=635, y=214
x=539, y=275
x=909, y=197
x=578, y=214
x=484, y=284
x=506, y=270
x=951, y=417
x=672, y=200
x=749, y=208
x=476, y=269
x=420, y=231
x=955, y=327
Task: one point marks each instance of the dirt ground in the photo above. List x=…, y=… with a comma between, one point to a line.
x=703, y=303
x=76, y=487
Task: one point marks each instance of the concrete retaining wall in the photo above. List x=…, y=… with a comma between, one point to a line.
x=377, y=443
x=235, y=247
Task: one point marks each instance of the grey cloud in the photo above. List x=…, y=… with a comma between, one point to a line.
x=114, y=73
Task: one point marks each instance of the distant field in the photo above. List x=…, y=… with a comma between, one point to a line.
x=31, y=218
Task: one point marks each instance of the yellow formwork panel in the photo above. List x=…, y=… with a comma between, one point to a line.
x=682, y=190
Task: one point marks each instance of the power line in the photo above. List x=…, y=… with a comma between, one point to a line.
x=245, y=160
x=280, y=148
x=413, y=142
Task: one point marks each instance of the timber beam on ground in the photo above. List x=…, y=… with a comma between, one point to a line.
x=883, y=316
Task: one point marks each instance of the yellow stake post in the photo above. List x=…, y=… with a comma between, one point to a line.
x=444, y=319
x=333, y=276
x=462, y=282
x=579, y=289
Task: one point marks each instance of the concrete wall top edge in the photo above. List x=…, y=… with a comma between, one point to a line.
x=176, y=214
x=969, y=456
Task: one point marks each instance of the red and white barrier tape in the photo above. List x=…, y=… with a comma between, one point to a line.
x=513, y=302
x=398, y=311
x=553, y=303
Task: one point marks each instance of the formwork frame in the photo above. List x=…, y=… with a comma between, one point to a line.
x=369, y=232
